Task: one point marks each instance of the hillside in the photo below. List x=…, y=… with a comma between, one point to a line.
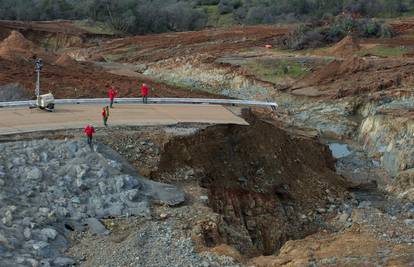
x=325, y=178
x=143, y=16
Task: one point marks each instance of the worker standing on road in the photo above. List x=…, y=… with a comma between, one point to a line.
x=89, y=131
x=144, y=93
x=105, y=115
x=112, y=93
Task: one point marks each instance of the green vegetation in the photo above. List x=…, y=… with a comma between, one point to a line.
x=314, y=35
x=273, y=70
x=384, y=51
x=215, y=19
x=154, y=16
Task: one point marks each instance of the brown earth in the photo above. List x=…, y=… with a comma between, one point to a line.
x=403, y=26
x=54, y=34
x=87, y=80
x=357, y=76
x=345, y=48
x=260, y=178
x=17, y=47
x=352, y=248
x=65, y=60
x=353, y=76
x=152, y=48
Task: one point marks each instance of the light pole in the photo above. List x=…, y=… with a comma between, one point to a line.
x=38, y=68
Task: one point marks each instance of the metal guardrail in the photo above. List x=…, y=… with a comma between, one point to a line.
x=150, y=100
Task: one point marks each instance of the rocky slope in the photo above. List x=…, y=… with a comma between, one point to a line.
x=49, y=188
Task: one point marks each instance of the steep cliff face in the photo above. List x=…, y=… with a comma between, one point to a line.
x=389, y=137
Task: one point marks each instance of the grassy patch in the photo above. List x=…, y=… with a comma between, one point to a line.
x=274, y=70
x=384, y=51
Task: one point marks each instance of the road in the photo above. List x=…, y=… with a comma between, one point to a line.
x=21, y=120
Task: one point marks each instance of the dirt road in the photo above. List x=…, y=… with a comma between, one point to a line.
x=20, y=120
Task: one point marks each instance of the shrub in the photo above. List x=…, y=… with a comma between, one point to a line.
x=225, y=7
x=304, y=37
x=313, y=35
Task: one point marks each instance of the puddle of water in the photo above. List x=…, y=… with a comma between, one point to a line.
x=339, y=150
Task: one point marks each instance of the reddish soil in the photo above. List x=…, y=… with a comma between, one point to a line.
x=84, y=80
x=152, y=48
x=43, y=27
x=68, y=78
x=403, y=26
x=345, y=48
x=65, y=60
x=16, y=47
x=357, y=76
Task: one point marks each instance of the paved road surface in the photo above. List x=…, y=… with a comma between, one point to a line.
x=19, y=120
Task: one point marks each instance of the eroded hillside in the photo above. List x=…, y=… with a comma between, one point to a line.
x=268, y=194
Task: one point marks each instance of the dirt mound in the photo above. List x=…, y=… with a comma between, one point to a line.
x=260, y=179
x=346, y=47
x=17, y=46
x=335, y=68
x=65, y=60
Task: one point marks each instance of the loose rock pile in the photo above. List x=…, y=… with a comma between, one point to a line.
x=49, y=188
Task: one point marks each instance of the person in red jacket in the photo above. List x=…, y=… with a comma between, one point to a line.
x=105, y=115
x=144, y=93
x=89, y=131
x=112, y=93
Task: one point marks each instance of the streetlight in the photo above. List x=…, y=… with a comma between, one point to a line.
x=38, y=68
x=46, y=101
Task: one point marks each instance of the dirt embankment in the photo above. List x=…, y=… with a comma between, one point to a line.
x=16, y=47
x=52, y=35
x=153, y=48
x=260, y=179
x=345, y=48
x=356, y=76
x=68, y=78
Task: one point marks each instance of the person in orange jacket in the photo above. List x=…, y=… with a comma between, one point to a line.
x=144, y=93
x=89, y=131
x=112, y=94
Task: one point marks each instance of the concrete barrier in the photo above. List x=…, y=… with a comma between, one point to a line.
x=150, y=100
